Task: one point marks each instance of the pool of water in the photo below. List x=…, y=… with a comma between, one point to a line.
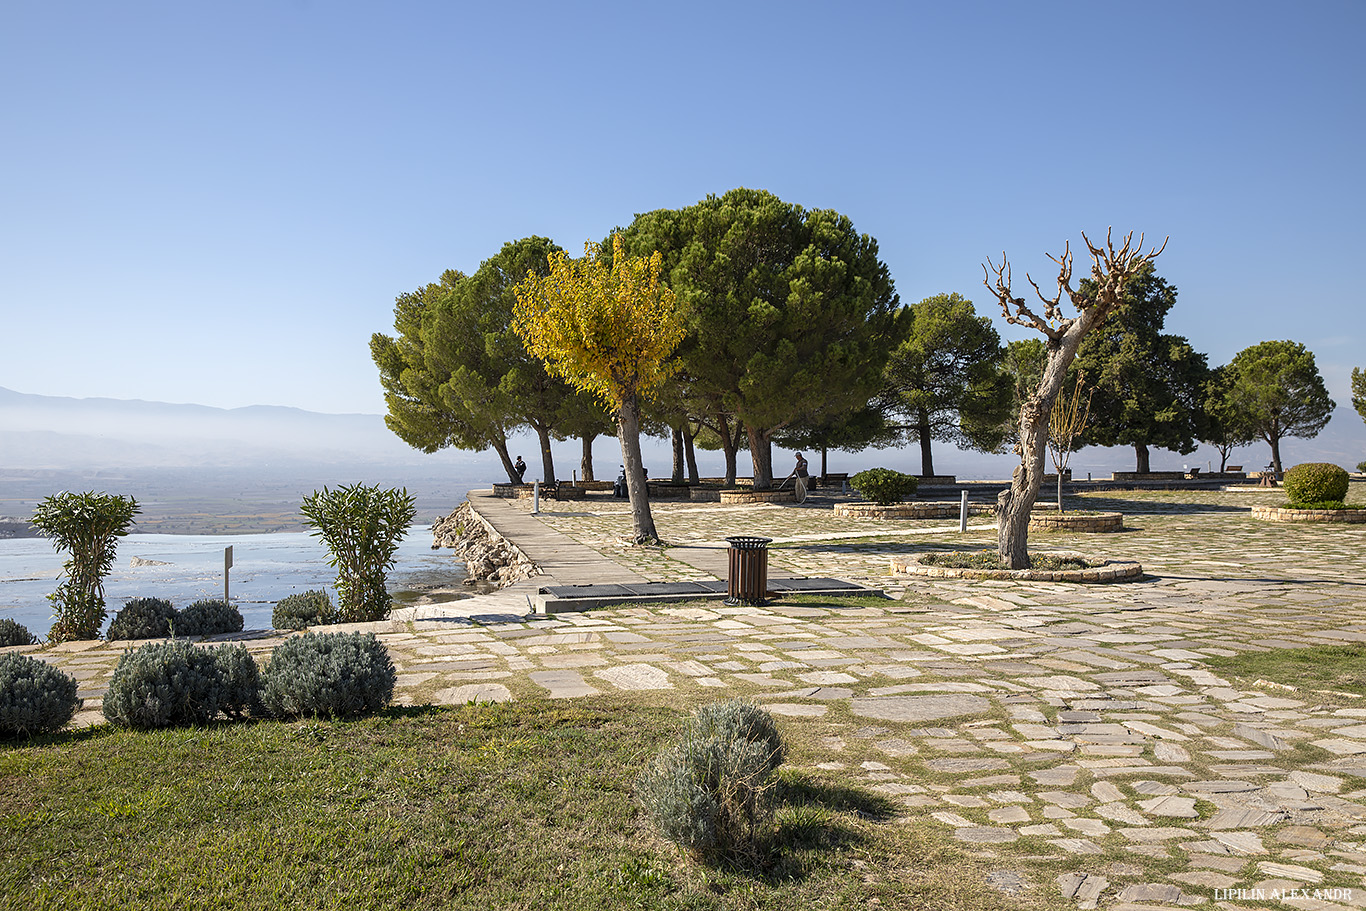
x=266, y=568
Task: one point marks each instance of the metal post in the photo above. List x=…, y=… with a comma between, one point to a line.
x=535, y=498
x=227, y=565
x=963, y=513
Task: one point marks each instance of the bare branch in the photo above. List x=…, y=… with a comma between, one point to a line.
x=1013, y=308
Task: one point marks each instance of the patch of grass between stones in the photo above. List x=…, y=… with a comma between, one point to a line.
x=1333, y=668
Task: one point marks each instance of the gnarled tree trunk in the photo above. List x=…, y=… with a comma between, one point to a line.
x=628, y=431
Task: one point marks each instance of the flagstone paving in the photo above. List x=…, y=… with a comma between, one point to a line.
x=1047, y=726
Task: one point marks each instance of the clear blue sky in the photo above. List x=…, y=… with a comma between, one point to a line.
x=218, y=202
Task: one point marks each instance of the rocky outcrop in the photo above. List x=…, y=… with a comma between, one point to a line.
x=487, y=555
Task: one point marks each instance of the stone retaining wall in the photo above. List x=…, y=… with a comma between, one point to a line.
x=929, y=510
x=1148, y=476
x=1106, y=521
x=750, y=497
x=1286, y=514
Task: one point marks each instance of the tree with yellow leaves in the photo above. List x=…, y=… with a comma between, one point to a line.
x=609, y=329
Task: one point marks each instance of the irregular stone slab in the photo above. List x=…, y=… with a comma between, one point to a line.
x=1342, y=747
x=1063, y=775
x=1040, y=830
x=1180, y=807
x=472, y=692
x=895, y=747
x=1093, y=827
x=1175, y=771
x=919, y=708
x=1076, y=845
x=1318, y=784
x=1170, y=752
x=1118, y=812
x=1068, y=799
x=1243, y=818
x=965, y=765
x=1009, y=815
x=1084, y=888
x=1240, y=842
x=1206, y=879
x=635, y=677
x=1009, y=882
x=1150, y=892
x=966, y=800
x=986, y=834
x=564, y=684
x=1157, y=833
x=1290, y=871
x=1304, y=836
x=1223, y=786
x=797, y=709
x=952, y=819
x=1106, y=792
x=1258, y=736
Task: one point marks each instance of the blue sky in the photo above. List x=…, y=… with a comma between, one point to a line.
x=217, y=203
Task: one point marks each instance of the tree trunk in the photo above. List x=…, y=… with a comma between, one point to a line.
x=547, y=460
x=761, y=455
x=628, y=432
x=824, y=474
x=690, y=455
x=501, y=447
x=586, y=462
x=730, y=445
x=1142, y=465
x=923, y=431
x=677, y=436
x=1275, y=442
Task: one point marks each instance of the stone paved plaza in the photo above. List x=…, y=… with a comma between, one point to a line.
x=1069, y=735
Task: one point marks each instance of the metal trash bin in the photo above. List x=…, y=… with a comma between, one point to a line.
x=747, y=577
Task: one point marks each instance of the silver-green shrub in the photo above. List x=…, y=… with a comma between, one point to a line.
x=143, y=618
x=170, y=683
x=302, y=610
x=12, y=632
x=711, y=792
x=208, y=618
x=35, y=697
x=337, y=675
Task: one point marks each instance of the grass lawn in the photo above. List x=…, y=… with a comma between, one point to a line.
x=1339, y=668
x=522, y=805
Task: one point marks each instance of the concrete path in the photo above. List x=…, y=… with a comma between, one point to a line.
x=1075, y=736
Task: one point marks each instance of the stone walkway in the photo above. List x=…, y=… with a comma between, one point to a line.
x=1046, y=726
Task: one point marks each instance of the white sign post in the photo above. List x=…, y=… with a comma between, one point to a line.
x=227, y=565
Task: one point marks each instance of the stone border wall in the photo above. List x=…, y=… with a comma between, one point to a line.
x=1287, y=514
x=1106, y=521
x=1108, y=571
x=751, y=497
x=930, y=510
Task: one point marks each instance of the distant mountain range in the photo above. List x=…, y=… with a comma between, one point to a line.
x=41, y=431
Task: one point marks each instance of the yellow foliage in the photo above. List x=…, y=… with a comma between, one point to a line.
x=608, y=330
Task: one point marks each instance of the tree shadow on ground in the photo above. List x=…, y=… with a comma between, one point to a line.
x=1149, y=507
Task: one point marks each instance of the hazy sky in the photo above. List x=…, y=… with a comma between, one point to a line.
x=218, y=202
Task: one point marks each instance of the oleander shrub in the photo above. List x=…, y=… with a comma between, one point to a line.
x=711, y=793
x=12, y=632
x=208, y=618
x=303, y=610
x=143, y=618
x=35, y=697
x=884, y=486
x=87, y=526
x=362, y=528
x=337, y=675
x=1315, y=483
x=171, y=683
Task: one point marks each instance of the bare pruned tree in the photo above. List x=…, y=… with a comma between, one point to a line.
x=1111, y=270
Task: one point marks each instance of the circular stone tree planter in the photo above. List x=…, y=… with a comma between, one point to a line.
x=1100, y=522
x=929, y=510
x=1096, y=571
x=751, y=497
x=1290, y=514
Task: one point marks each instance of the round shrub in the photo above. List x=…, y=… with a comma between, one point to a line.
x=168, y=683
x=142, y=618
x=35, y=697
x=884, y=486
x=338, y=675
x=12, y=632
x=302, y=610
x=1315, y=482
x=711, y=792
x=208, y=618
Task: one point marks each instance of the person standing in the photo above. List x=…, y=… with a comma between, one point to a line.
x=520, y=467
